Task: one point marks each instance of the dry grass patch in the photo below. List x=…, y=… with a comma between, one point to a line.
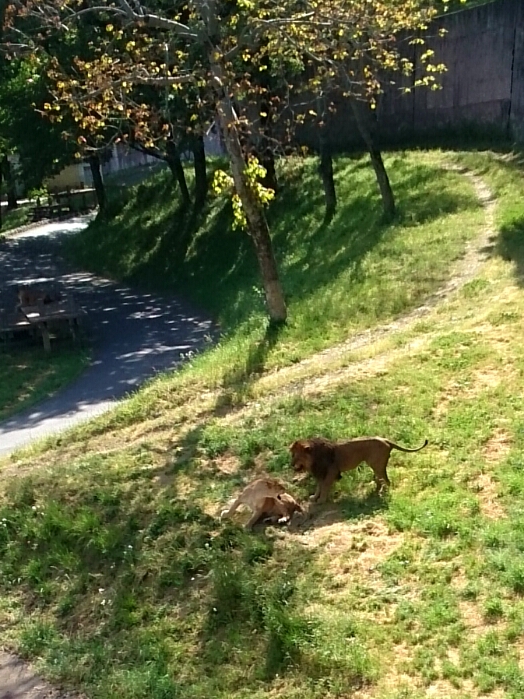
x=488, y=497
x=350, y=554
x=459, y=580
x=497, y=447
x=227, y=464
x=468, y=387
x=443, y=689
x=475, y=621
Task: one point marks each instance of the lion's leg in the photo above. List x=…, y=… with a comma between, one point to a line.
x=264, y=509
x=379, y=467
x=326, y=486
x=317, y=492
x=255, y=517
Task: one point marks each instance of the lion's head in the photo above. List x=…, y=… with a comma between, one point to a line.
x=301, y=456
x=290, y=504
x=315, y=456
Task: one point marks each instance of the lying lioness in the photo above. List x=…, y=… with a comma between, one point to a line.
x=326, y=460
x=268, y=500
x=32, y=296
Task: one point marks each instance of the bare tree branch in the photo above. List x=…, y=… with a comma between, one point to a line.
x=156, y=21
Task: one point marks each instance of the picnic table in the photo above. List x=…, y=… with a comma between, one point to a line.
x=42, y=317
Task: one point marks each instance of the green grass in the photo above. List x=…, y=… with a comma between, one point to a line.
x=116, y=573
x=14, y=218
x=27, y=374
x=338, y=278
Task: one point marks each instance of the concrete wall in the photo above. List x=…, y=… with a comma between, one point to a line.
x=483, y=51
x=72, y=177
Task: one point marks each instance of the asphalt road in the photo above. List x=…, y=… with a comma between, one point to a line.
x=134, y=334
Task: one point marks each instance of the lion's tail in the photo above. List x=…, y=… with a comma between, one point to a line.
x=232, y=508
x=396, y=446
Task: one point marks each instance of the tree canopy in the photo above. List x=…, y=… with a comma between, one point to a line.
x=212, y=57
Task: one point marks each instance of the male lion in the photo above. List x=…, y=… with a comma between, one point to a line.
x=267, y=499
x=326, y=460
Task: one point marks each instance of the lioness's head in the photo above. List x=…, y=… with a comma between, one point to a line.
x=301, y=455
x=290, y=504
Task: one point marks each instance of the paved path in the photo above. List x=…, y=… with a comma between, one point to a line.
x=135, y=334
x=18, y=681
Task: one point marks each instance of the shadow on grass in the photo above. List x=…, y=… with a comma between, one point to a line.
x=252, y=614
x=511, y=246
x=243, y=373
x=108, y=559
x=154, y=242
x=343, y=510
x=357, y=226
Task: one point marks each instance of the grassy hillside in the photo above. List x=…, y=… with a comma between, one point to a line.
x=338, y=278
x=13, y=219
x=28, y=374
x=115, y=572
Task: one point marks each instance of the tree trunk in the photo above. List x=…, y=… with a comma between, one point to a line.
x=257, y=224
x=98, y=183
x=388, y=198
x=330, y=193
x=326, y=173
x=177, y=170
x=325, y=166
x=1, y=178
x=200, y=165
x=12, y=199
x=265, y=154
x=3, y=10
x=267, y=159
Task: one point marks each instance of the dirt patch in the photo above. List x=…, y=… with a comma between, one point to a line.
x=497, y=447
x=475, y=622
x=442, y=689
x=487, y=378
x=372, y=538
x=396, y=680
x=520, y=654
x=472, y=617
x=459, y=580
x=469, y=687
x=227, y=464
x=352, y=552
x=448, y=395
x=488, y=497
x=480, y=380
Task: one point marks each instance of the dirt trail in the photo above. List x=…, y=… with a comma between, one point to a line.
x=466, y=269
x=17, y=679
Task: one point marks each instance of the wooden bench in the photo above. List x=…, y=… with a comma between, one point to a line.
x=50, y=211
